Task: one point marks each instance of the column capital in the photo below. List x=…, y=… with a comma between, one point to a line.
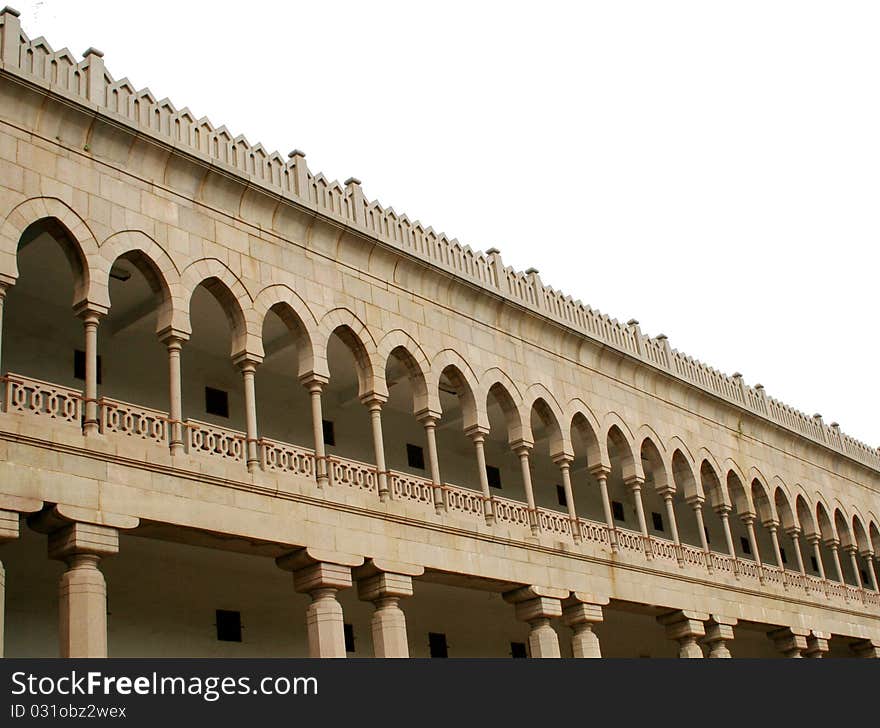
x=723, y=509
x=525, y=593
x=83, y=539
x=695, y=501
x=313, y=381
x=685, y=627
x=173, y=338
x=521, y=447
x=89, y=311
x=427, y=417
x=791, y=641
x=817, y=643
x=9, y=526
x=563, y=459
x=247, y=362
x=538, y=608
x=582, y=608
x=477, y=433
x=373, y=400
x=866, y=554
x=866, y=648
x=600, y=471
x=308, y=556
x=792, y=531
x=380, y=578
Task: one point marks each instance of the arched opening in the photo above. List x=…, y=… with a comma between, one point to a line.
x=623, y=504
x=283, y=406
x=811, y=536
x=714, y=501
x=502, y=464
x=584, y=486
x=863, y=553
x=657, y=483
x=546, y=477
x=846, y=544
x=765, y=520
x=406, y=448
x=787, y=524
x=827, y=538
x=685, y=487
x=347, y=432
x=741, y=512
x=458, y=463
x=41, y=333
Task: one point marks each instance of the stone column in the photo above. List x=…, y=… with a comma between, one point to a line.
x=429, y=422
x=3, y=289
x=248, y=367
x=817, y=644
x=814, y=539
x=581, y=612
x=537, y=606
x=869, y=564
x=719, y=631
x=795, y=534
x=374, y=403
x=564, y=463
x=9, y=531
x=696, y=502
x=790, y=641
x=321, y=575
x=723, y=510
x=773, y=528
x=749, y=520
x=685, y=627
x=90, y=316
x=601, y=474
x=315, y=384
x=852, y=549
x=385, y=583
x=673, y=525
x=866, y=648
x=174, y=344
x=635, y=485
x=478, y=436
x=82, y=595
x=522, y=450
x=833, y=544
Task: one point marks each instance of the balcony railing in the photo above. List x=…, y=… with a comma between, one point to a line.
x=64, y=405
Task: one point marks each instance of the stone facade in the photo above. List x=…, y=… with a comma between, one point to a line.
x=637, y=480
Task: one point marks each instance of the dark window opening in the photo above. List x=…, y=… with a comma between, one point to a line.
x=228, y=625
x=745, y=545
x=560, y=495
x=865, y=580
x=329, y=432
x=782, y=554
x=617, y=510
x=415, y=457
x=437, y=644
x=79, y=365
x=216, y=402
x=518, y=650
x=706, y=531
x=348, y=631
x=814, y=564
x=493, y=475
x=657, y=520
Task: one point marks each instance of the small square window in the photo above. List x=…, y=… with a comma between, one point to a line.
x=493, y=475
x=437, y=644
x=814, y=564
x=329, y=432
x=228, y=625
x=216, y=402
x=560, y=495
x=617, y=510
x=415, y=457
x=745, y=545
x=782, y=554
x=657, y=520
x=348, y=631
x=518, y=650
x=79, y=365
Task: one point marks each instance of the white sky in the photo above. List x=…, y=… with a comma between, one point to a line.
x=711, y=169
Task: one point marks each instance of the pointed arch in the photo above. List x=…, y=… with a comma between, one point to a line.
x=539, y=399
x=497, y=385
x=860, y=534
x=654, y=459
x=619, y=437
x=234, y=299
x=401, y=345
x=583, y=422
x=301, y=325
x=710, y=479
x=153, y=262
x=841, y=525
x=70, y=230
x=737, y=493
x=450, y=364
x=874, y=536
x=357, y=337
x=683, y=475
x=783, y=504
x=761, y=499
x=805, y=516
x=824, y=522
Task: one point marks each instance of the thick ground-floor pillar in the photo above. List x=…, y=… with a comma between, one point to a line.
x=321, y=576
x=9, y=531
x=537, y=606
x=82, y=593
x=685, y=627
x=790, y=641
x=385, y=583
x=581, y=612
x=817, y=644
x=719, y=631
x=866, y=648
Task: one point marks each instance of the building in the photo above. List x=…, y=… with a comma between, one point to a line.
x=264, y=373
